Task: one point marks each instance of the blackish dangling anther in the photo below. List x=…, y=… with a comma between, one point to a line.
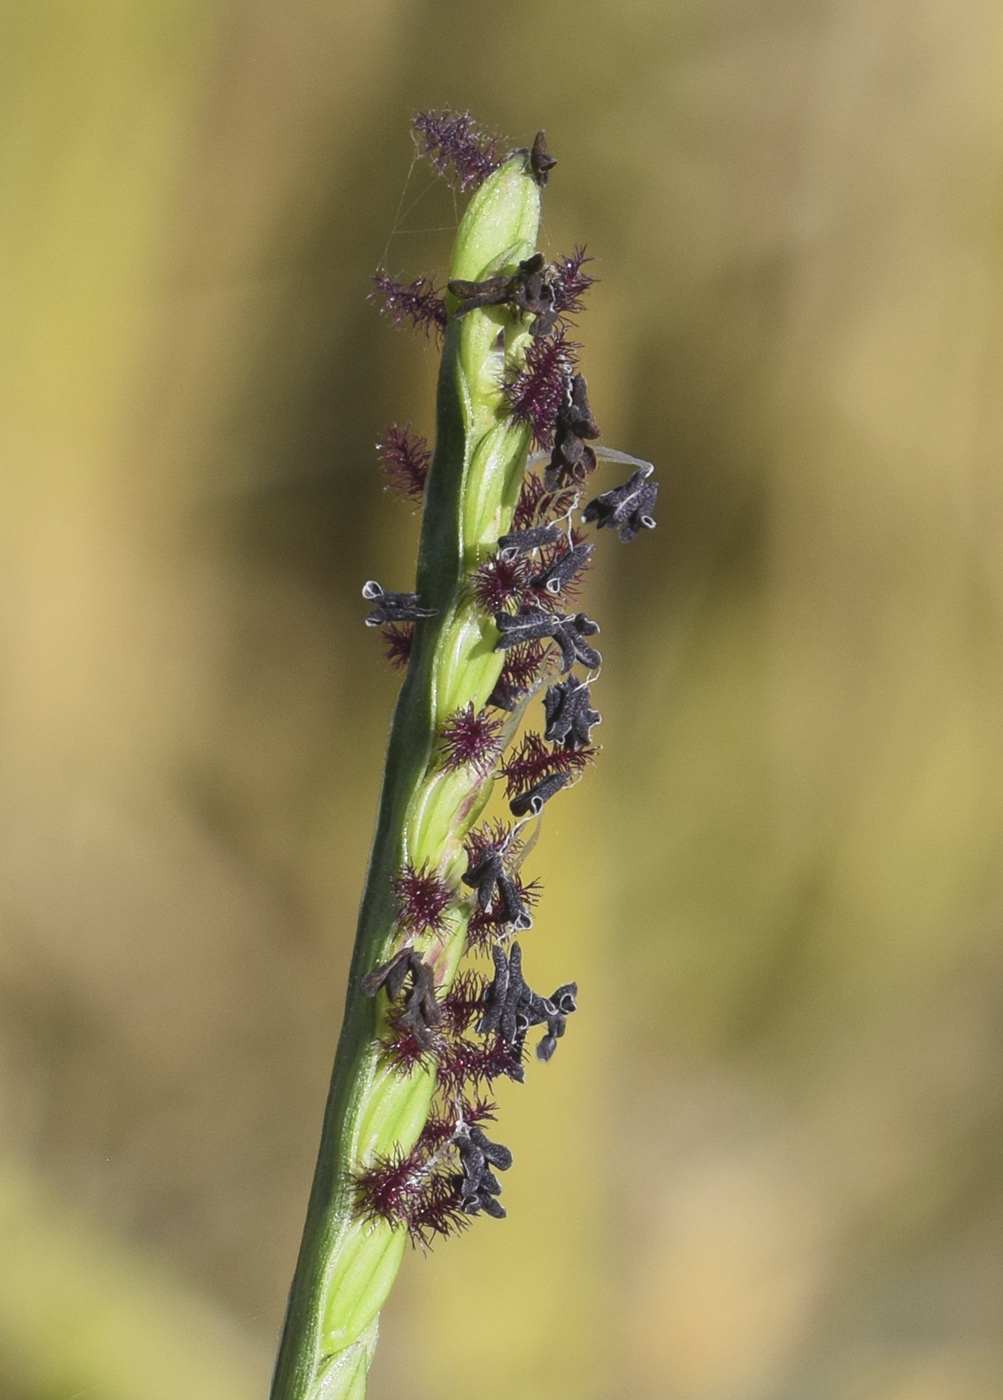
x=528, y=290
x=558, y=574
x=570, y=634
x=511, y=906
x=626, y=508
x=496, y=888
x=422, y=1011
x=541, y=163
x=525, y=541
x=570, y=717
x=572, y=459
x=478, y=1187
x=529, y=624
x=535, y=624
x=482, y=875
x=393, y=607
x=531, y=802
x=511, y=1006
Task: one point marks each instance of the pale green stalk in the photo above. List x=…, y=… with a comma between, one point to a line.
x=346, y=1264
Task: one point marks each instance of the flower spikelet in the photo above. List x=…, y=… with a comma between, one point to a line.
x=486, y=925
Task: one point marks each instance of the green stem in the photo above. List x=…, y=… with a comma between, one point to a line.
x=346, y=1264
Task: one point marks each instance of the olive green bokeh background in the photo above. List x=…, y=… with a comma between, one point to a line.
x=765, y=1164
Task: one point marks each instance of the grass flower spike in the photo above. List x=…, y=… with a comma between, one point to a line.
x=408, y=1150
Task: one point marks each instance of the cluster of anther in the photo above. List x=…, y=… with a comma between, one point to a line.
x=626, y=508
x=421, y=1013
x=497, y=891
x=478, y=1186
x=532, y=623
x=572, y=459
x=569, y=714
x=528, y=290
x=502, y=901
x=421, y=1190
x=392, y=607
x=511, y=1006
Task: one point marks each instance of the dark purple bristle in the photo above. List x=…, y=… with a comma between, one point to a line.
x=496, y=835
x=398, y=639
x=502, y=585
x=534, y=759
x=437, y=1131
x=531, y=494
x=417, y=302
x=439, y=1211
x=464, y=1003
x=405, y=458
x=403, y=1191
x=463, y=1063
x=422, y=899
x=404, y=1052
x=570, y=283
x=522, y=666
x=478, y=1111
x=454, y=141
x=537, y=504
x=537, y=391
x=470, y=736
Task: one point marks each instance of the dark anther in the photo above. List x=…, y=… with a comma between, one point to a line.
x=564, y=1003
x=559, y=574
x=570, y=634
x=527, y=625
x=478, y=1186
x=491, y=880
x=525, y=541
x=511, y=907
x=541, y=792
x=572, y=459
x=482, y=875
x=570, y=718
x=528, y=290
x=534, y=624
x=422, y=1011
x=540, y=162
x=626, y=508
x=511, y=1006
x=393, y=607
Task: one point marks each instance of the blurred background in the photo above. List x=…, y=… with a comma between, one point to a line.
x=766, y=1163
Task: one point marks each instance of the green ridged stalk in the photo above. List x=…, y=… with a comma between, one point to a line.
x=346, y=1264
